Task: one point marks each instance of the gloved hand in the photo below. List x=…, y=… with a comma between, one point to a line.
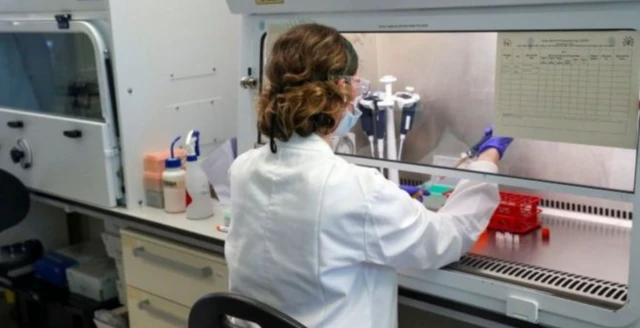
x=498, y=143
x=415, y=192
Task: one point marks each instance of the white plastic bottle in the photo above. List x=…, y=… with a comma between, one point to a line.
x=199, y=203
x=173, y=184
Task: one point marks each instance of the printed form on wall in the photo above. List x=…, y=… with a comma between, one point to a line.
x=574, y=87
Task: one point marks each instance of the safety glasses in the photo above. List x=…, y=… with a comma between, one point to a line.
x=362, y=85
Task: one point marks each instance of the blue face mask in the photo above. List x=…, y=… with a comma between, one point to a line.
x=348, y=121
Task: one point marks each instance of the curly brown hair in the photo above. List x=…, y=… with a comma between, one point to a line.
x=303, y=94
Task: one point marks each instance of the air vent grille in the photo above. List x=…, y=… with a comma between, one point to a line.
x=588, y=209
x=411, y=182
x=595, y=291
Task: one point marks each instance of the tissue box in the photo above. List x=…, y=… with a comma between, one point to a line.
x=112, y=245
x=94, y=280
x=152, y=181
x=116, y=318
x=86, y=252
x=154, y=198
x=154, y=162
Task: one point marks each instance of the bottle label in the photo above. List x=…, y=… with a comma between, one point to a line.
x=172, y=184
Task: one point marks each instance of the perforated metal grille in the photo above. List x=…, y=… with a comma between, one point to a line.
x=583, y=208
x=563, y=284
x=411, y=182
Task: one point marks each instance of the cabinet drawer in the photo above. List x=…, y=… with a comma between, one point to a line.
x=146, y=310
x=170, y=270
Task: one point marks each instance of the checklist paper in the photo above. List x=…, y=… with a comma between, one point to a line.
x=574, y=87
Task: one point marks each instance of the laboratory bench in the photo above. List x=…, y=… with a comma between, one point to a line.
x=158, y=248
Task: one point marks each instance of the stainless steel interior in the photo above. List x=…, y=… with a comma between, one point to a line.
x=586, y=258
x=591, y=249
x=454, y=75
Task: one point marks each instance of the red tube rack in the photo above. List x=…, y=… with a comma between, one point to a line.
x=516, y=213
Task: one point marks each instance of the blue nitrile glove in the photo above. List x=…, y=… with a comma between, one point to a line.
x=414, y=190
x=498, y=143
x=475, y=149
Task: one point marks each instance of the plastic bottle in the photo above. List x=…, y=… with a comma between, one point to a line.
x=199, y=205
x=173, y=183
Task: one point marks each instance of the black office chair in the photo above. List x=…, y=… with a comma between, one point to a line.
x=211, y=311
x=15, y=202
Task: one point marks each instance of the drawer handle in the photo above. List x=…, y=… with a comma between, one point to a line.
x=203, y=272
x=168, y=317
x=73, y=134
x=15, y=124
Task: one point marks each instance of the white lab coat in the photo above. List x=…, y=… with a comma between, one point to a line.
x=320, y=239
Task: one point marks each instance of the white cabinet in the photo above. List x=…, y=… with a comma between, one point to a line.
x=168, y=276
x=147, y=310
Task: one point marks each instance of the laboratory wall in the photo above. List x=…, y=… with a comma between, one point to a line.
x=367, y=47
x=176, y=67
x=454, y=74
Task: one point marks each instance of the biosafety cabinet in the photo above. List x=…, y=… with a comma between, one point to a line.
x=59, y=130
x=87, y=87
x=560, y=76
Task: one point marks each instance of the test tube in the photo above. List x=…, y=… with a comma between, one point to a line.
x=499, y=239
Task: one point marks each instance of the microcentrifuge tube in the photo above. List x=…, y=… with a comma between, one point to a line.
x=499, y=239
x=508, y=237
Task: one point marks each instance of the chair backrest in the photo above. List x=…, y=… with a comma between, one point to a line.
x=211, y=311
x=14, y=200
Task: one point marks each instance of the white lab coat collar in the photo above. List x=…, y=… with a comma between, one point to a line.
x=312, y=142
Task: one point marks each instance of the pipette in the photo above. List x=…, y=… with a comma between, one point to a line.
x=365, y=105
x=373, y=122
x=380, y=128
x=408, y=102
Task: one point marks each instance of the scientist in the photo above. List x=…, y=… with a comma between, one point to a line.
x=316, y=237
